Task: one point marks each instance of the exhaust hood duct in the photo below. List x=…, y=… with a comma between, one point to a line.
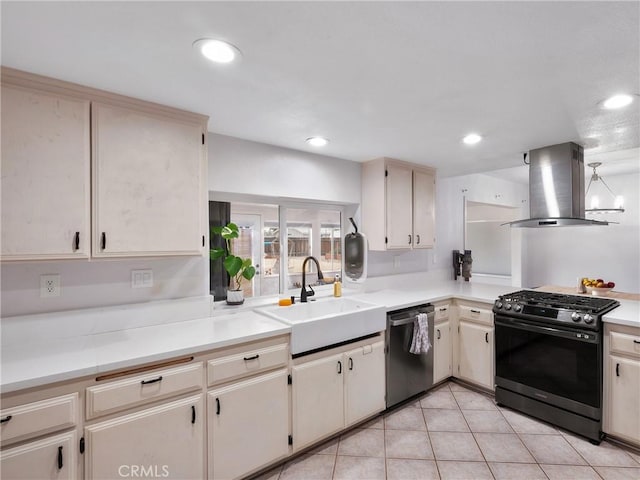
x=556, y=188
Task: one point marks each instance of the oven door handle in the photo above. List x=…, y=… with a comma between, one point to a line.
x=578, y=335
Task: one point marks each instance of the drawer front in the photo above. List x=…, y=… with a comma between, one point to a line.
x=442, y=312
x=480, y=315
x=247, y=363
x=625, y=343
x=122, y=394
x=33, y=419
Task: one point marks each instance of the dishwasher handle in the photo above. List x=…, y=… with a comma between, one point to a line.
x=404, y=321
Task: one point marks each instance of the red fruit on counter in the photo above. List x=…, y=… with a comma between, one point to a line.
x=611, y=285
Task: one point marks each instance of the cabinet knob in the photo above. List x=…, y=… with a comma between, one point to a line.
x=193, y=414
x=350, y=363
x=409, y=239
x=486, y=337
x=339, y=367
x=60, y=464
x=438, y=331
x=76, y=242
x=103, y=241
x=217, y=406
x=418, y=239
x=6, y=419
x=617, y=369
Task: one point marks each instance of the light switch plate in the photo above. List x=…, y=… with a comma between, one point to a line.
x=142, y=278
x=50, y=285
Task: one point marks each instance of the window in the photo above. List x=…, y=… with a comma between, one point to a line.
x=310, y=231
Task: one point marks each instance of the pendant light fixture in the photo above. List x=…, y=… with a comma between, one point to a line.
x=598, y=201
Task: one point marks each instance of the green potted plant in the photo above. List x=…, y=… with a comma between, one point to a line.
x=238, y=268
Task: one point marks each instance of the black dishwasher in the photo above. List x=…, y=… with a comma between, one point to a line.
x=407, y=374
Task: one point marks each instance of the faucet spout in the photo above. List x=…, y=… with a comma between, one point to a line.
x=304, y=293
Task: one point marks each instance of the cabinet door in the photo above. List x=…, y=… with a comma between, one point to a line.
x=624, y=415
x=424, y=184
x=475, y=362
x=318, y=409
x=165, y=441
x=45, y=175
x=52, y=458
x=248, y=425
x=147, y=184
x=399, y=211
x=442, y=351
x=365, y=382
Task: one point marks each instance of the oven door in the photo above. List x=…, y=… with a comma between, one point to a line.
x=558, y=366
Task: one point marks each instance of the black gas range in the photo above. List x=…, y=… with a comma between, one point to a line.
x=548, y=357
x=571, y=311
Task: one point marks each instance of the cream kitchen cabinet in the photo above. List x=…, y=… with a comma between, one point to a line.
x=622, y=382
x=51, y=451
x=86, y=173
x=248, y=425
x=147, y=183
x=164, y=441
x=248, y=408
x=474, y=345
x=336, y=389
x=54, y=457
x=45, y=174
x=398, y=204
x=442, y=348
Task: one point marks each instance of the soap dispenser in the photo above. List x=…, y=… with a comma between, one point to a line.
x=337, y=287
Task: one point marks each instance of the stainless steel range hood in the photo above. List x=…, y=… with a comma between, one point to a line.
x=556, y=188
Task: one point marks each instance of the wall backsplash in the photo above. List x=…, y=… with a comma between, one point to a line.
x=99, y=283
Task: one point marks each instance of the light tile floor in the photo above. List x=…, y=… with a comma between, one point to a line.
x=456, y=433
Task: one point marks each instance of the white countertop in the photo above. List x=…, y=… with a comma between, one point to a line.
x=69, y=355
x=35, y=364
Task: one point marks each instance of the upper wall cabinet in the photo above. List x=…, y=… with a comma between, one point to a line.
x=45, y=175
x=398, y=205
x=89, y=173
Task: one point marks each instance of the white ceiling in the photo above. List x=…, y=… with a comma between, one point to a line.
x=401, y=79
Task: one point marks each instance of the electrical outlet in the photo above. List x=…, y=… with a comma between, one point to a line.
x=141, y=278
x=50, y=285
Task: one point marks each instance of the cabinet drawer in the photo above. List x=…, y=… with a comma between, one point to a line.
x=625, y=343
x=247, y=363
x=480, y=315
x=442, y=312
x=141, y=389
x=38, y=418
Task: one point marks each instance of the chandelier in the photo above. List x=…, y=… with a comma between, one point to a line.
x=599, y=194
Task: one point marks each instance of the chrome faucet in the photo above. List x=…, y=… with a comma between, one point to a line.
x=304, y=293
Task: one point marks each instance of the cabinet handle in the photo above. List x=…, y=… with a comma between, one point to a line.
x=76, y=242
x=409, y=239
x=443, y=309
x=103, y=241
x=6, y=419
x=246, y=359
x=475, y=311
x=193, y=414
x=438, y=330
x=350, y=363
x=636, y=341
x=339, y=367
x=60, y=458
x=147, y=382
x=617, y=369
x=217, y=406
x=486, y=337
x=418, y=239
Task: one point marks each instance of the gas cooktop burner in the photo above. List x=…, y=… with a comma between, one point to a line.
x=559, y=300
x=570, y=310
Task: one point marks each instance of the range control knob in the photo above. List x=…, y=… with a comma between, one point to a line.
x=498, y=305
x=575, y=317
x=518, y=307
x=507, y=306
x=588, y=318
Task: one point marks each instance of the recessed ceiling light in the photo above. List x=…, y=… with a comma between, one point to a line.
x=317, y=141
x=217, y=50
x=617, y=101
x=472, y=139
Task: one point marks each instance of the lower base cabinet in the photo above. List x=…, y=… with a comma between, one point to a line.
x=442, y=357
x=475, y=354
x=248, y=425
x=166, y=441
x=335, y=391
x=52, y=458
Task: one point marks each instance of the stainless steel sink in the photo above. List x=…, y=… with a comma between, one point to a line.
x=327, y=321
